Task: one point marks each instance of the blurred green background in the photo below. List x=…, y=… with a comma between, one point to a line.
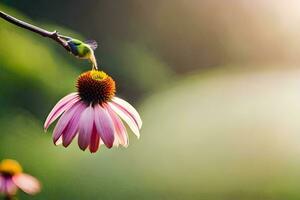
x=217, y=84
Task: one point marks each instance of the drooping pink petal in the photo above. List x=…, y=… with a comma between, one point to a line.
x=64, y=121
x=126, y=117
x=86, y=124
x=2, y=184
x=95, y=140
x=61, y=106
x=59, y=141
x=129, y=109
x=10, y=187
x=104, y=125
x=72, y=127
x=27, y=183
x=119, y=127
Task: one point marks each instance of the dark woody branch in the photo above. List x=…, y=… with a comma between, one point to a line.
x=52, y=35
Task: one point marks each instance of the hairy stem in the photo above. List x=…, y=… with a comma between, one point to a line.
x=52, y=35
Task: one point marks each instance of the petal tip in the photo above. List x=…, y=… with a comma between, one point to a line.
x=82, y=149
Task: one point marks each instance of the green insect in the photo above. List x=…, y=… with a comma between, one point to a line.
x=83, y=50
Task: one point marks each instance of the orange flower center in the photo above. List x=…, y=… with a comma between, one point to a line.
x=10, y=167
x=95, y=87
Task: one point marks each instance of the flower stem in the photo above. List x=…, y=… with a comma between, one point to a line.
x=60, y=39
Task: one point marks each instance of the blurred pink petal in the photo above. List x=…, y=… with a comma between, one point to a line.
x=72, y=127
x=64, y=120
x=104, y=125
x=129, y=109
x=126, y=117
x=95, y=139
x=119, y=127
x=10, y=187
x=27, y=183
x=86, y=123
x=59, y=141
x=63, y=105
x=2, y=184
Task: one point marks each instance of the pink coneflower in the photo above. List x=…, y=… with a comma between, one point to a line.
x=12, y=178
x=94, y=113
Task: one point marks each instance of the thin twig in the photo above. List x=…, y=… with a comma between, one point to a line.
x=52, y=35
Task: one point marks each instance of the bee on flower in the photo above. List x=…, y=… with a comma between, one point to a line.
x=94, y=114
x=12, y=178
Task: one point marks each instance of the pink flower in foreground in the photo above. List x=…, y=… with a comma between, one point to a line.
x=12, y=178
x=94, y=113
